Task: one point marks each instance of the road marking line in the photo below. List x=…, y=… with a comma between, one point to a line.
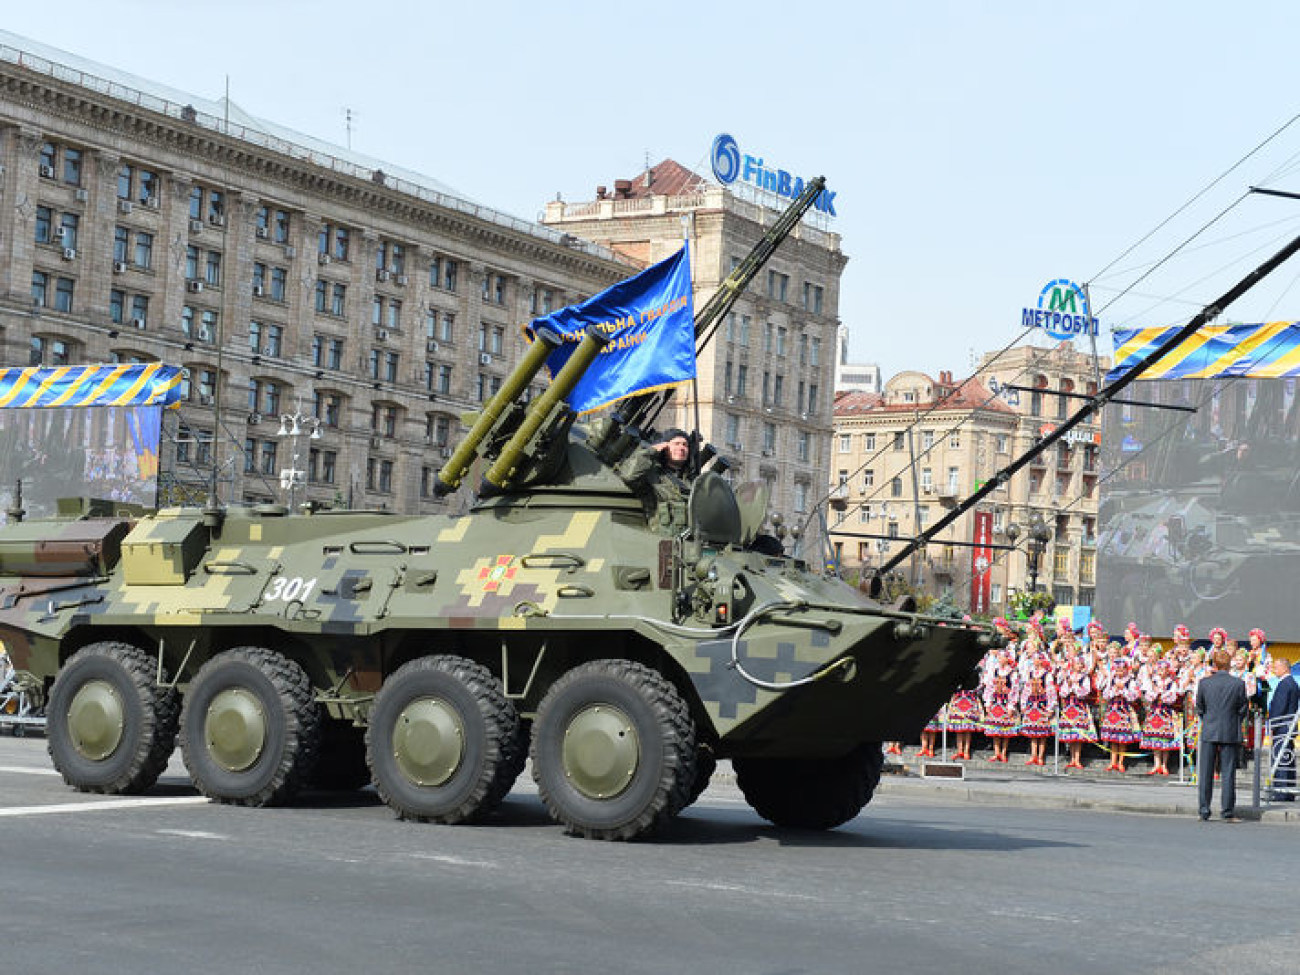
x=193, y=834
x=101, y=805
x=741, y=889
x=28, y=771
x=455, y=861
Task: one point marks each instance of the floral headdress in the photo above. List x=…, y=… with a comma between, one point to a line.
x=1223, y=634
x=1181, y=632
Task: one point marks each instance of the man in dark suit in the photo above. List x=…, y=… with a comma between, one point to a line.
x=1283, y=702
x=1221, y=704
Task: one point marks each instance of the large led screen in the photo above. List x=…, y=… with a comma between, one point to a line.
x=1199, y=518
x=104, y=452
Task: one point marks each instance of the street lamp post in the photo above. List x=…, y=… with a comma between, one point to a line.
x=1038, y=535
x=293, y=425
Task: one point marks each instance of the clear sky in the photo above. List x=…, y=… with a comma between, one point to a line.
x=978, y=149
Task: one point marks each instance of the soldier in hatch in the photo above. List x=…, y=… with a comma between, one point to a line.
x=660, y=474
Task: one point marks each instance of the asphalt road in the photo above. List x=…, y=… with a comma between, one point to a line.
x=170, y=883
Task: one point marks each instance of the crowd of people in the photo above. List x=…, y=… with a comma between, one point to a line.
x=1123, y=696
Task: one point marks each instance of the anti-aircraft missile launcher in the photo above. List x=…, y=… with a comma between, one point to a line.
x=557, y=619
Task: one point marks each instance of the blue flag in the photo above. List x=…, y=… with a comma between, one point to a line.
x=650, y=319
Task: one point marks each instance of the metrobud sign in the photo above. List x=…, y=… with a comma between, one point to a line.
x=1062, y=311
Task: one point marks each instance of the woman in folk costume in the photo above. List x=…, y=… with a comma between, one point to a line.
x=1119, y=722
x=931, y=732
x=1074, y=726
x=1037, y=700
x=1182, y=649
x=1096, y=643
x=1065, y=644
x=1001, y=686
x=965, y=710
x=1162, y=692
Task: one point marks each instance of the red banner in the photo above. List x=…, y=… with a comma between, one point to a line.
x=981, y=564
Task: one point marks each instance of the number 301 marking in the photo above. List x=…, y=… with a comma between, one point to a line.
x=291, y=589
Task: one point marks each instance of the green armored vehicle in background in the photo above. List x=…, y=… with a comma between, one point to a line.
x=557, y=620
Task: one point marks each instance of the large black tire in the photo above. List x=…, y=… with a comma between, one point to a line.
x=250, y=728
x=443, y=743
x=613, y=750
x=810, y=793
x=110, y=727
x=341, y=765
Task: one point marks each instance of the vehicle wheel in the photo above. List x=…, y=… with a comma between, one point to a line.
x=250, y=728
x=341, y=765
x=613, y=750
x=705, y=765
x=810, y=793
x=111, y=727
x=443, y=743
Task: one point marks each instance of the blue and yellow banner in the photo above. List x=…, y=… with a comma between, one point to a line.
x=124, y=384
x=1270, y=350
x=651, y=319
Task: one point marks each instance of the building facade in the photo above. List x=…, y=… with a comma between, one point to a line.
x=287, y=278
x=906, y=456
x=765, y=380
x=903, y=458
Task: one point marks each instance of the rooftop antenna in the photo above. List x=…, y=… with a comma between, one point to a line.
x=347, y=115
x=212, y=514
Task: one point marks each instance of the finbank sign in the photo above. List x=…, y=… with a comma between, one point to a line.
x=729, y=165
x=1062, y=311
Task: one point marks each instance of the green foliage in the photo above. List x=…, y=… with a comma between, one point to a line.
x=1023, y=604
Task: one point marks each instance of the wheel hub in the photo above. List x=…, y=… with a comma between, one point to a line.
x=235, y=729
x=428, y=741
x=601, y=751
x=96, y=718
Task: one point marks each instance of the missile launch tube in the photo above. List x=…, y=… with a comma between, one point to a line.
x=547, y=341
x=502, y=472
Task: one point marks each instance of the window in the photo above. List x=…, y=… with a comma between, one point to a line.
x=995, y=593
x=334, y=242
x=63, y=294
x=800, y=496
x=778, y=387
x=40, y=289
x=803, y=349
x=812, y=297
x=802, y=445
x=868, y=441
x=742, y=377
x=733, y=430
x=279, y=283
x=116, y=306
x=767, y=337
x=896, y=487
x=121, y=244
x=255, y=330
x=954, y=439
x=446, y=327
x=274, y=341
x=338, y=300
x=815, y=352
x=846, y=442
x=744, y=330
x=898, y=440
x=927, y=480
x=44, y=225
x=542, y=301
x=212, y=271
x=191, y=262
x=927, y=439
x=780, y=341
x=444, y=379
x=1002, y=443
x=391, y=360
x=143, y=250
x=777, y=285
x=280, y=226
x=952, y=480
x=269, y=465
x=140, y=308
x=868, y=479
x=336, y=354
x=769, y=437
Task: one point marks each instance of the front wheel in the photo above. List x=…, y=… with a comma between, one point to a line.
x=810, y=793
x=613, y=750
x=250, y=728
x=111, y=724
x=443, y=743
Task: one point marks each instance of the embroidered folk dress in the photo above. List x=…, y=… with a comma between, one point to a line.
x=1119, y=722
x=1163, y=695
x=1000, y=692
x=1075, y=722
x=1037, y=704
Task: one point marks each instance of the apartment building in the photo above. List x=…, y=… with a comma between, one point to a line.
x=289, y=277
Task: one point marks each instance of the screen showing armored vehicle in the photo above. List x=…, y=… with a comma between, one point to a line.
x=109, y=453
x=1199, y=519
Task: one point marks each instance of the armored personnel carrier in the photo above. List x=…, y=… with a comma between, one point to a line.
x=560, y=618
